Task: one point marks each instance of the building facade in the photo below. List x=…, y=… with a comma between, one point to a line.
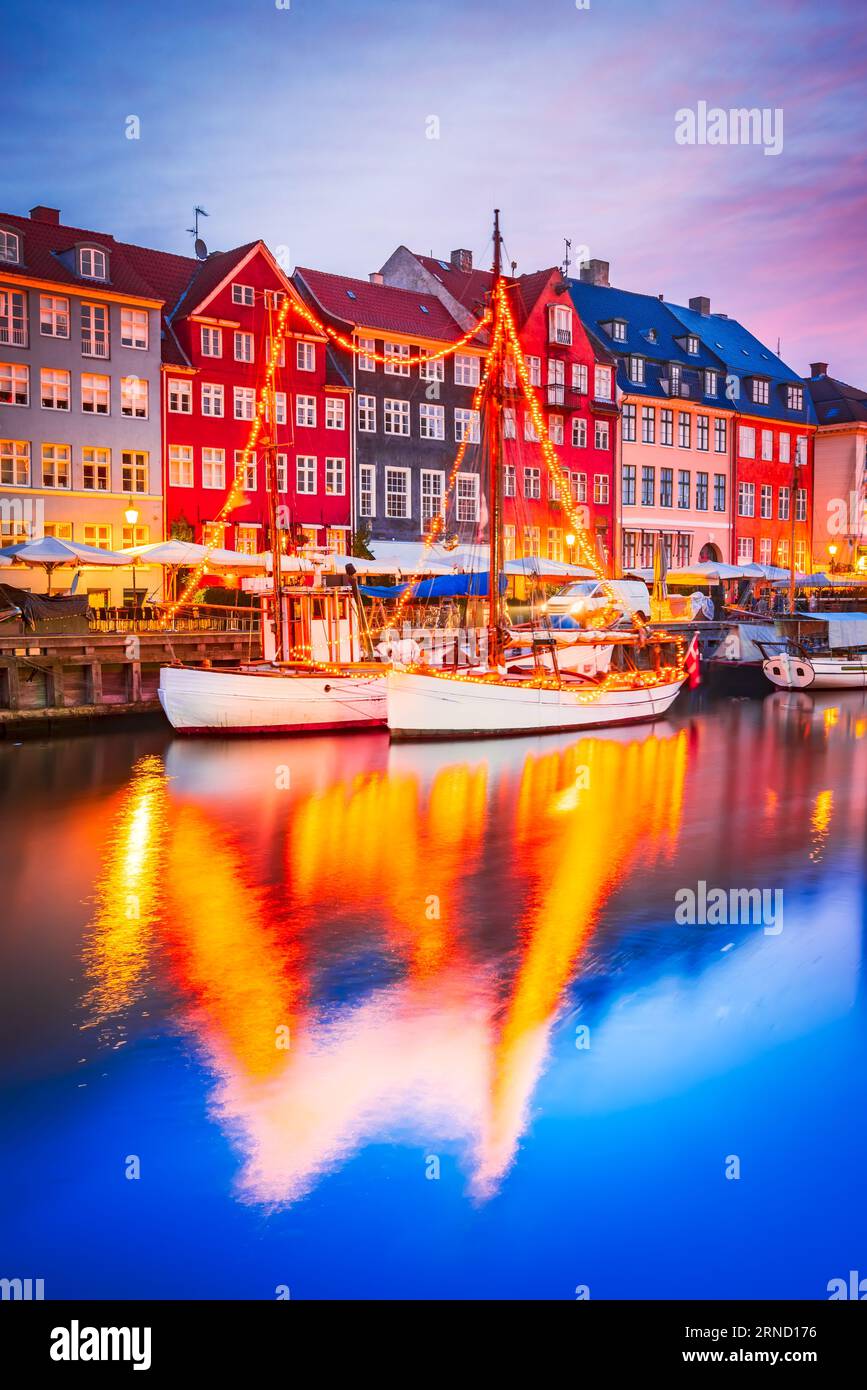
x=79, y=396
x=840, y=471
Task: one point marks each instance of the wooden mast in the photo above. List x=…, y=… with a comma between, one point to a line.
x=494, y=412
x=272, y=480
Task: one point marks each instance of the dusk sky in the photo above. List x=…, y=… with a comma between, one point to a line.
x=308, y=127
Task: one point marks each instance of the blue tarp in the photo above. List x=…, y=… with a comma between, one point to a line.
x=442, y=586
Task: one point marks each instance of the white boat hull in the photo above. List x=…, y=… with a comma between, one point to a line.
x=429, y=706
x=792, y=672
x=205, y=701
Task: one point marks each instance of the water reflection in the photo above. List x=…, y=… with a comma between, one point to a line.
x=416, y=921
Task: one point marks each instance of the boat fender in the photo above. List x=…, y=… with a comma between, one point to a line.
x=327, y=687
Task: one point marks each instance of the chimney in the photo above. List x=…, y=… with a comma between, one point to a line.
x=818, y=369
x=376, y=278
x=700, y=305
x=462, y=259
x=43, y=214
x=595, y=272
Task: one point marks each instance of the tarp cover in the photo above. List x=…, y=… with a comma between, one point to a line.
x=39, y=607
x=844, y=629
x=443, y=586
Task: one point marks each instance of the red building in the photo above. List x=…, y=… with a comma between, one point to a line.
x=216, y=346
x=773, y=500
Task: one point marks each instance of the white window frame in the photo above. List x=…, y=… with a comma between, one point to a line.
x=54, y=311
x=134, y=328
x=245, y=346
x=213, y=394
x=181, y=465
x=210, y=341
x=305, y=412
x=243, y=294
x=64, y=400
x=180, y=396
x=17, y=374
x=367, y=489
x=305, y=473
x=405, y=495
x=399, y=350
x=56, y=463
x=335, y=472
x=432, y=491
x=95, y=389
x=396, y=412
x=466, y=497
x=335, y=413
x=431, y=421
x=367, y=414
x=214, y=469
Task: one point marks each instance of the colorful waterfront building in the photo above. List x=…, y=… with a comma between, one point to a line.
x=840, y=469
x=79, y=395
x=574, y=380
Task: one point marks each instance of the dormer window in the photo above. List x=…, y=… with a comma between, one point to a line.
x=652, y=335
x=710, y=383
x=560, y=324
x=692, y=345
x=636, y=370
x=674, y=378
x=618, y=330
x=760, y=391
x=795, y=397
x=10, y=247
x=92, y=263
x=243, y=294
x=602, y=383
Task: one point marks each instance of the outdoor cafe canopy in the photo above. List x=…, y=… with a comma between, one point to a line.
x=50, y=553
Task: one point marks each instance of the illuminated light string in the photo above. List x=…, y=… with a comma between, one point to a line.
x=389, y=358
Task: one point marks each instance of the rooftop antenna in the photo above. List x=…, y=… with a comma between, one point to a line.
x=199, y=246
x=514, y=267
x=779, y=348
x=568, y=261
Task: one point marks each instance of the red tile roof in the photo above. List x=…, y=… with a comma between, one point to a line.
x=380, y=307
x=470, y=287
x=44, y=242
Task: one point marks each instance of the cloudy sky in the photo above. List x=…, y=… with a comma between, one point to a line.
x=309, y=126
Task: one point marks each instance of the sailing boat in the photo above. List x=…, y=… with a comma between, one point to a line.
x=625, y=676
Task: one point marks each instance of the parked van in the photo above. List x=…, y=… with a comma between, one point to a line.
x=586, y=596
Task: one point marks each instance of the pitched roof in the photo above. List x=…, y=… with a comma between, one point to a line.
x=380, y=307
x=468, y=287
x=835, y=402
x=44, y=243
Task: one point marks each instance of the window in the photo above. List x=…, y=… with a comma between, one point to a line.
x=276, y=356
x=14, y=463
x=335, y=477
x=367, y=490
x=600, y=489
x=96, y=469
x=214, y=468
x=666, y=487
x=94, y=330
x=243, y=347
x=532, y=540
x=54, y=388
x=555, y=543
x=555, y=429
x=648, y=424
x=534, y=370
x=467, y=497
x=180, y=465
x=247, y=539
x=244, y=402
x=801, y=450
x=367, y=414
x=509, y=543
x=530, y=430
x=783, y=551
x=509, y=485
x=134, y=328
x=431, y=368
x=628, y=424
x=785, y=448
x=795, y=397
x=666, y=426
x=243, y=294
x=53, y=316
x=720, y=434
x=212, y=342
x=683, y=488
x=135, y=535
x=305, y=411
x=400, y=352
x=701, y=491
x=467, y=425
x=648, y=486
x=397, y=492
x=746, y=549
x=766, y=551
x=95, y=393
x=466, y=369
x=692, y=345
x=719, y=492
x=432, y=481
x=801, y=555
x=15, y=384
x=746, y=499
x=56, y=465
x=579, y=432
x=509, y=423
x=760, y=391
x=510, y=378
x=618, y=331
x=13, y=318
x=213, y=533
x=602, y=434
x=674, y=378
x=747, y=442
x=335, y=413
x=553, y=491
x=282, y=473
x=578, y=484
x=801, y=504
x=636, y=369
x=10, y=247
x=134, y=397
x=784, y=503
x=767, y=445
x=532, y=482
x=305, y=357
x=366, y=359
x=305, y=473
x=212, y=400
x=92, y=264
x=180, y=396
x=134, y=471
x=432, y=421
x=98, y=536
x=710, y=383
x=556, y=381
x=560, y=325
x=629, y=550
x=247, y=472
x=579, y=377
x=766, y=501
x=684, y=429
x=602, y=383
x=628, y=484
x=279, y=407
x=702, y=425
x=395, y=415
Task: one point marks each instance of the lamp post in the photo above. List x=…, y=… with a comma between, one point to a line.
x=832, y=551
x=130, y=516
x=793, y=507
x=570, y=542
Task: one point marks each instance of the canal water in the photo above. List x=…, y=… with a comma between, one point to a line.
x=345, y=1019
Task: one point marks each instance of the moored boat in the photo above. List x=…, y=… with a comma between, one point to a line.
x=824, y=651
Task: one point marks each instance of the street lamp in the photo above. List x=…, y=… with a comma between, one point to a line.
x=130, y=516
x=832, y=551
x=570, y=541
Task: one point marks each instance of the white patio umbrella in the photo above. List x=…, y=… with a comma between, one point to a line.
x=534, y=567
x=186, y=555
x=50, y=553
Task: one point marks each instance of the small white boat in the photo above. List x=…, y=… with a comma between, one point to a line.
x=823, y=651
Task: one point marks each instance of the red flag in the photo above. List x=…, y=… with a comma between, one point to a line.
x=692, y=662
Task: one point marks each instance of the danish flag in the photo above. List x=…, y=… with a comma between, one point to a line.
x=692, y=662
